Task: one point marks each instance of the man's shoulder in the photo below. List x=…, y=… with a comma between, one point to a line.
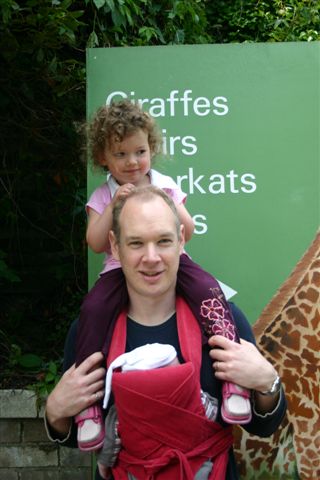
x=242, y=323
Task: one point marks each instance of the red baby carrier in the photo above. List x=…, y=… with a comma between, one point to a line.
x=164, y=432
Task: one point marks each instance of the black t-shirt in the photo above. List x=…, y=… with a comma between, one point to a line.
x=167, y=333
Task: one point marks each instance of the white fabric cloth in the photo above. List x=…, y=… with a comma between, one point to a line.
x=147, y=357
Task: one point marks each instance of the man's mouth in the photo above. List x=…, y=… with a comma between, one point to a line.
x=150, y=274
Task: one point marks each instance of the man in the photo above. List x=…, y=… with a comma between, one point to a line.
x=164, y=434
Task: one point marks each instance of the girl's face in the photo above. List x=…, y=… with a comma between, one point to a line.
x=129, y=161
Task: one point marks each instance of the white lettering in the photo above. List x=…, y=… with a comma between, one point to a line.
x=180, y=179
x=232, y=176
x=172, y=100
x=187, y=145
x=217, y=181
x=157, y=108
x=200, y=226
x=189, y=142
x=164, y=142
x=251, y=184
x=114, y=95
x=221, y=108
x=173, y=140
x=143, y=101
x=195, y=183
x=174, y=103
x=186, y=99
x=199, y=103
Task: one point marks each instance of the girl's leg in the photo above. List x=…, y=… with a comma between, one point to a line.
x=210, y=307
x=98, y=313
x=206, y=300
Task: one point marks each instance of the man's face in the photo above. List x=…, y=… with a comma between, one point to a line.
x=149, y=247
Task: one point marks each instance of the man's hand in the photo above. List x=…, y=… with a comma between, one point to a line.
x=78, y=388
x=241, y=363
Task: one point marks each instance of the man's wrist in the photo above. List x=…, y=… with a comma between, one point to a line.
x=59, y=424
x=55, y=435
x=273, y=388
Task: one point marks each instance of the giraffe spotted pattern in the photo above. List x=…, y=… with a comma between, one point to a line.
x=288, y=334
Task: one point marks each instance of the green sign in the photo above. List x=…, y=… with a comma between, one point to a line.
x=240, y=125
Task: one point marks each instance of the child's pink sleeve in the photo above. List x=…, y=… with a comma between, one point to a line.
x=168, y=185
x=99, y=199
x=177, y=195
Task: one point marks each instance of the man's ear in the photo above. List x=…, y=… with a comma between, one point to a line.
x=114, y=245
x=182, y=241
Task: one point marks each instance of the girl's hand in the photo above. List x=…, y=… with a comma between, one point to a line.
x=99, y=225
x=123, y=191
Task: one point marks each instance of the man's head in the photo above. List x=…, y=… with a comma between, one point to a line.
x=142, y=195
x=147, y=238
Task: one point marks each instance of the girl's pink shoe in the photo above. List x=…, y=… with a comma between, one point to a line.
x=90, y=428
x=236, y=405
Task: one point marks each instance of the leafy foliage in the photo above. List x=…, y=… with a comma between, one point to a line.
x=277, y=21
x=43, y=181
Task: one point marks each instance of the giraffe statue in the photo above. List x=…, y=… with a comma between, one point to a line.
x=287, y=332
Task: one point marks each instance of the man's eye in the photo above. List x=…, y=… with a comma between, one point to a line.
x=135, y=244
x=165, y=241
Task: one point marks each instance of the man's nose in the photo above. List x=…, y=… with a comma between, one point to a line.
x=151, y=253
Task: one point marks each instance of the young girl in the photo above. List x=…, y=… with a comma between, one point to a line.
x=123, y=139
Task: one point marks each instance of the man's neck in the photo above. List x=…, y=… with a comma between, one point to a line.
x=152, y=311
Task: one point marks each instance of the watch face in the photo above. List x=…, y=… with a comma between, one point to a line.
x=275, y=388
x=276, y=385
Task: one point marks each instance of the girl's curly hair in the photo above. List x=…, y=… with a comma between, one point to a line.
x=113, y=123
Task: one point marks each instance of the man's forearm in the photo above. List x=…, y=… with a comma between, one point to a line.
x=60, y=425
x=267, y=397
x=265, y=404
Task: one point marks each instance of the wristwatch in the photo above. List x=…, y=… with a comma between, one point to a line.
x=275, y=387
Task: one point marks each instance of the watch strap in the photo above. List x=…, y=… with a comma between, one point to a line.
x=275, y=387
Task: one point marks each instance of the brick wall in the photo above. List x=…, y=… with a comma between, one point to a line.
x=25, y=451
